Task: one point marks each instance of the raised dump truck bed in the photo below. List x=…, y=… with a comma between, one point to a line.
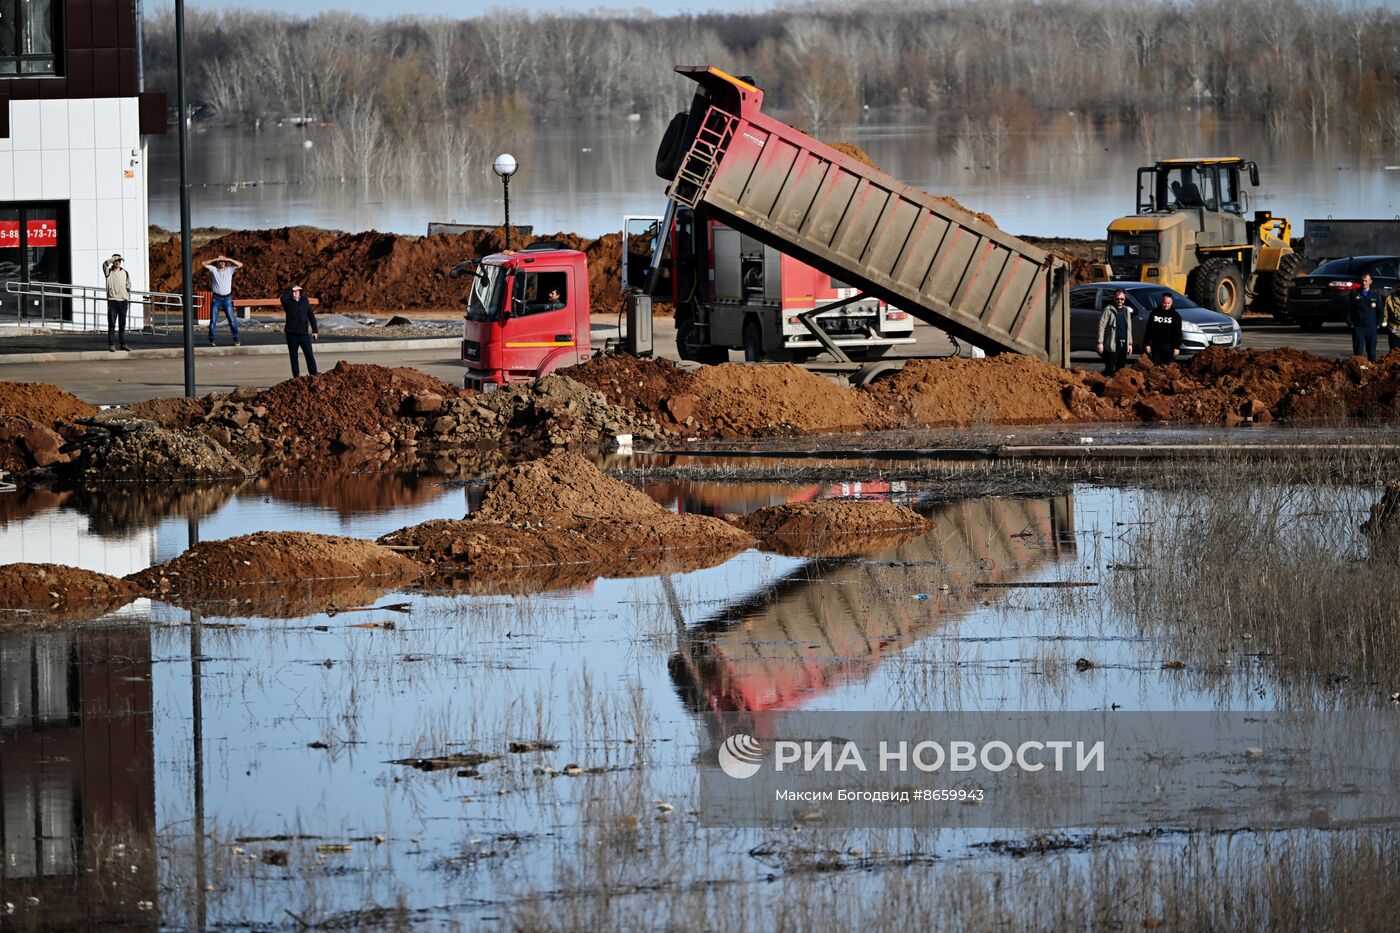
x=859, y=225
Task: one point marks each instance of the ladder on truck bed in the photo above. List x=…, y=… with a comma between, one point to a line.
x=912, y=250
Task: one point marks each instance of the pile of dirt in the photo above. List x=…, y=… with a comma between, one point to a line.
x=295, y=568
x=351, y=407
x=1005, y=389
x=832, y=528
x=26, y=444
x=546, y=414
x=562, y=491
x=1082, y=255
x=135, y=451
x=272, y=259
x=735, y=399
x=655, y=387
x=373, y=271
x=43, y=403
x=178, y=412
x=53, y=592
x=558, y=522
x=33, y=415
x=1232, y=387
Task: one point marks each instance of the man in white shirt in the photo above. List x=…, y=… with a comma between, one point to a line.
x=221, y=270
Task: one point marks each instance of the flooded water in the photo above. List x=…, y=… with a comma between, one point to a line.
x=1067, y=179
x=163, y=769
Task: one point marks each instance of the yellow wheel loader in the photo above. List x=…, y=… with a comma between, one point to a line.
x=1193, y=232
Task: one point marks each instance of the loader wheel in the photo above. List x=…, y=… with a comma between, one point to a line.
x=1217, y=284
x=1271, y=293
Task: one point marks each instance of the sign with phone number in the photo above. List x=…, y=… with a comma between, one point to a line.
x=40, y=233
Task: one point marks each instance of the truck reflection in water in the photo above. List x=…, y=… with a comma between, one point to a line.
x=77, y=780
x=833, y=623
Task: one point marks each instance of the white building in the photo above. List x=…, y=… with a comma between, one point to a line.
x=72, y=154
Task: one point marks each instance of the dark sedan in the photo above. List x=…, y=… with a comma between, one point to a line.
x=1200, y=327
x=1321, y=296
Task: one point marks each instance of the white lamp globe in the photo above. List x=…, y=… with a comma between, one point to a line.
x=504, y=165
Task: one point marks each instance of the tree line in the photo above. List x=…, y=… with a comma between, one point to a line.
x=400, y=89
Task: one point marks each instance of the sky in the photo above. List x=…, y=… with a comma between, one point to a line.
x=456, y=9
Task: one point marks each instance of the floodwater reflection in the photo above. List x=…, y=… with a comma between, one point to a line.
x=827, y=625
x=77, y=777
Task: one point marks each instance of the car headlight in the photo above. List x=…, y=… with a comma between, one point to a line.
x=1187, y=327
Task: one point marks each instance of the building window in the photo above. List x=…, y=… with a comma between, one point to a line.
x=28, y=29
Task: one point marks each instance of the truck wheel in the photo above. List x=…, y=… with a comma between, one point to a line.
x=753, y=342
x=690, y=346
x=672, y=148
x=1217, y=284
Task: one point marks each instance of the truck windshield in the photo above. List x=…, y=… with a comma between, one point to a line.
x=488, y=288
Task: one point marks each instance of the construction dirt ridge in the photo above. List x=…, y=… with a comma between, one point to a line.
x=376, y=415
x=560, y=521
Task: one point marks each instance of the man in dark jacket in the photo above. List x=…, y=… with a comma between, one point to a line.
x=1162, y=341
x=1363, y=317
x=301, y=328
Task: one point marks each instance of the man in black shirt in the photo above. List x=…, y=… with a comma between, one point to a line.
x=301, y=328
x=1162, y=342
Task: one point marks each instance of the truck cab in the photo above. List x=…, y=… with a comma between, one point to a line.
x=527, y=315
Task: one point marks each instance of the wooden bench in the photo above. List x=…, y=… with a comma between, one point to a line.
x=241, y=306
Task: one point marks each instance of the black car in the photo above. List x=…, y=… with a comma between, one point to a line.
x=1200, y=327
x=1321, y=296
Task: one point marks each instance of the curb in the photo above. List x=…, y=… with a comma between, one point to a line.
x=166, y=353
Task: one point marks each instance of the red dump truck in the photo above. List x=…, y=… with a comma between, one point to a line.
x=750, y=296
x=732, y=167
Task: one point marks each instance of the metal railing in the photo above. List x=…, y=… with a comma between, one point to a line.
x=63, y=306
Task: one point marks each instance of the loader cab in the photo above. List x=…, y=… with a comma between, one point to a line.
x=1208, y=185
x=526, y=315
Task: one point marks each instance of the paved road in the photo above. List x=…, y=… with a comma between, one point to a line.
x=121, y=380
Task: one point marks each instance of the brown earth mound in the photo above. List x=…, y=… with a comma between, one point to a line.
x=348, y=407
x=1005, y=389
x=53, y=592
x=740, y=399
x=549, y=413
x=43, y=403
x=559, y=522
x=832, y=528
x=562, y=491
x=25, y=444
x=143, y=452
x=1230, y=387
x=178, y=412
x=373, y=271
x=267, y=568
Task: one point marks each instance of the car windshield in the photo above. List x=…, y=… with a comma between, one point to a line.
x=1346, y=266
x=1151, y=297
x=488, y=286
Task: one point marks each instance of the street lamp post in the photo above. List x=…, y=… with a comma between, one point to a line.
x=186, y=247
x=505, y=167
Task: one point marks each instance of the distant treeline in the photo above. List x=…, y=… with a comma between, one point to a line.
x=1292, y=66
